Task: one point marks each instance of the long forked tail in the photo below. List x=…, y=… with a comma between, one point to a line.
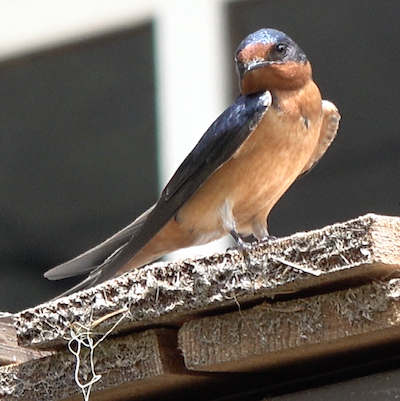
x=94, y=260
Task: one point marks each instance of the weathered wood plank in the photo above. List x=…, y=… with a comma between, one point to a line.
x=132, y=366
x=267, y=337
x=350, y=253
x=10, y=351
x=284, y=333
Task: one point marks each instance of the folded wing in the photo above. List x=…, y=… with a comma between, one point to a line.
x=214, y=149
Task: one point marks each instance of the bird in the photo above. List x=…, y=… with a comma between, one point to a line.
x=275, y=131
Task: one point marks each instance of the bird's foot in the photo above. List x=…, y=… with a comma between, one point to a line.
x=246, y=243
x=242, y=243
x=268, y=239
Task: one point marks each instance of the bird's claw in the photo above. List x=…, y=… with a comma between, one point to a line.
x=241, y=243
x=268, y=239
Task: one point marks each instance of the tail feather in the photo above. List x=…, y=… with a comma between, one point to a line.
x=88, y=282
x=95, y=257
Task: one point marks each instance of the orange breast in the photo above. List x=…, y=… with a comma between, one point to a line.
x=262, y=169
x=251, y=182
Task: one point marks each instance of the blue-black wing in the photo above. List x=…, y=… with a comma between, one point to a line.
x=216, y=147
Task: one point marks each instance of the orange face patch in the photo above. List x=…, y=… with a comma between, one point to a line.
x=258, y=51
x=287, y=76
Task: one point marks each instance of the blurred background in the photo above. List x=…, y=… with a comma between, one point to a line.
x=100, y=101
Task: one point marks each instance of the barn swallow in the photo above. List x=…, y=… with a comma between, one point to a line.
x=276, y=130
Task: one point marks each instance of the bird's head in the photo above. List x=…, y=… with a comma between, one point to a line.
x=268, y=59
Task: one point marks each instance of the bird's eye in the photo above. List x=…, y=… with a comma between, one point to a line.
x=278, y=52
x=281, y=49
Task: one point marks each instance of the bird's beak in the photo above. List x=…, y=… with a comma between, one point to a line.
x=256, y=59
x=254, y=65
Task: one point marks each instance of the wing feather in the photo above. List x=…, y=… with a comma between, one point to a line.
x=214, y=149
x=329, y=127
